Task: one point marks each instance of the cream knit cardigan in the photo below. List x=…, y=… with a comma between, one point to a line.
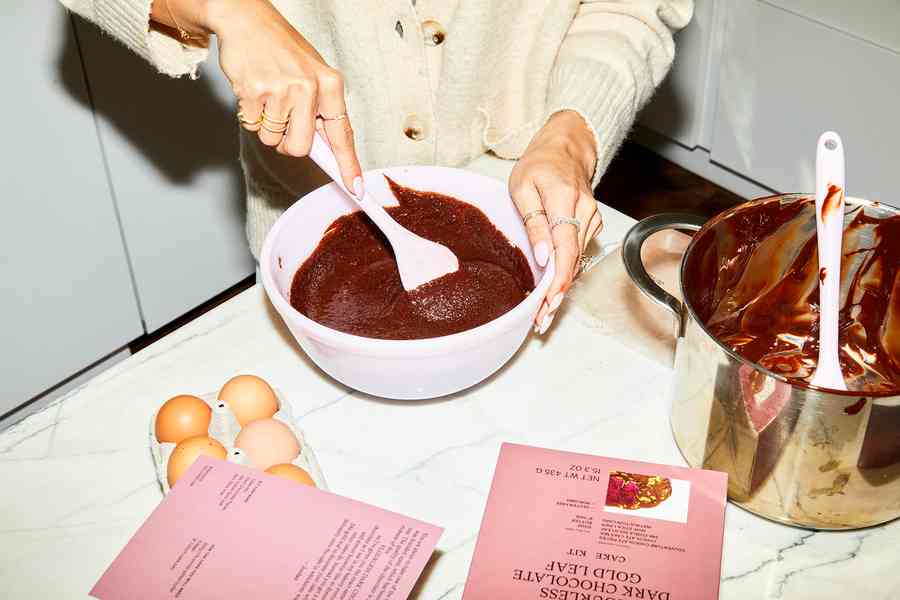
x=444, y=81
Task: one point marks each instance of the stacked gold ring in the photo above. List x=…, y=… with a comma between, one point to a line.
x=282, y=125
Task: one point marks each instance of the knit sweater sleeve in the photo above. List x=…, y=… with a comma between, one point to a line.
x=612, y=59
x=129, y=22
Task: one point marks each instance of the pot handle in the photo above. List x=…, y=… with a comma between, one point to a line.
x=634, y=265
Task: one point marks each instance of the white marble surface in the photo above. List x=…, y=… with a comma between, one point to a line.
x=77, y=479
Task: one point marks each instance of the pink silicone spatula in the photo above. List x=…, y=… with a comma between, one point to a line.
x=418, y=260
x=830, y=231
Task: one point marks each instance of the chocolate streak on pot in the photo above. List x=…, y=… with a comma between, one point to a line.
x=764, y=298
x=350, y=282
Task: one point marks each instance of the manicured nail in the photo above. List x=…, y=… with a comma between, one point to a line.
x=557, y=300
x=545, y=324
x=542, y=312
x=536, y=328
x=358, y=187
x=542, y=253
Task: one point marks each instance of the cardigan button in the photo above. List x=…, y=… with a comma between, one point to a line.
x=434, y=32
x=414, y=128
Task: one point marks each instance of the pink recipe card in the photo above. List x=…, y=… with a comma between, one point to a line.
x=227, y=531
x=565, y=526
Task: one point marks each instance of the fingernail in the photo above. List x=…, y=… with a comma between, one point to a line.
x=542, y=311
x=358, y=187
x=536, y=328
x=545, y=324
x=542, y=253
x=557, y=300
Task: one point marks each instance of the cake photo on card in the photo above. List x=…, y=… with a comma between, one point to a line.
x=566, y=526
x=633, y=491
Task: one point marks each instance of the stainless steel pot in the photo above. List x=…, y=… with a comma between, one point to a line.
x=824, y=460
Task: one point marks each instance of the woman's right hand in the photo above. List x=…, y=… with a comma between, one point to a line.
x=279, y=79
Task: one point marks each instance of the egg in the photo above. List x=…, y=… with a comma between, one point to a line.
x=187, y=451
x=182, y=417
x=291, y=472
x=249, y=398
x=267, y=442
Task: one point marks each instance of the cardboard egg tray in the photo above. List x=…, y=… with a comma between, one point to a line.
x=224, y=428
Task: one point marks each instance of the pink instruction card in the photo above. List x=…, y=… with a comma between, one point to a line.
x=227, y=531
x=565, y=526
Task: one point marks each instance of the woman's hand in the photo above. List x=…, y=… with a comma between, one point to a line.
x=285, y=89
x=554, y=175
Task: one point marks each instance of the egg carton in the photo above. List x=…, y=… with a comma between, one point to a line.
x=224, y=428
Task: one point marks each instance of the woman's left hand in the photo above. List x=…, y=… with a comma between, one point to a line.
x=554, y=175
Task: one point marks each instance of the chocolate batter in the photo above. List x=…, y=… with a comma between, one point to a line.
x=350, y=282
x=764, y=294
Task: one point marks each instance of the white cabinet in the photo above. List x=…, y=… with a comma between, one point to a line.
x=67, y=298
x=171, y=146
x=873, y=21
x=785, y=78
x=773, y=76
x=123, y=199
x=680, y=105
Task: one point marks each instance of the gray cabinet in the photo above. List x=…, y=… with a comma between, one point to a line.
x=786, y=77
x=123, y=199
x=680, y=105
x=873, y=21
x=67, y=297
x=171, y=146
x=756, y=81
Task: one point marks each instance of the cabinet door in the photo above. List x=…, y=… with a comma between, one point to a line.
x=173, y=161
x=875, y=21
x=677, y=110
x=67, y=296
x=786, y=77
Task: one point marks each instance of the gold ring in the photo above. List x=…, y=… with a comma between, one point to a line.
x=243, y=121
x=340, y=117
x=533, y=213
x=281, y=129
x=269, y=119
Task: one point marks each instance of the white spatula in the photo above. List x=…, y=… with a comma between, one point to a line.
x=830, y=231
x=418, y=260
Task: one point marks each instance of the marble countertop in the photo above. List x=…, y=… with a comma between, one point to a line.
x=78, y=478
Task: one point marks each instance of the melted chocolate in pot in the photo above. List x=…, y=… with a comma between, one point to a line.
x=753, y=278
x=350, y=282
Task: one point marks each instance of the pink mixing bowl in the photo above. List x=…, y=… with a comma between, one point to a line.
x=400, y=369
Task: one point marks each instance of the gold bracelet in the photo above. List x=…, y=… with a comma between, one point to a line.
x=181, y=31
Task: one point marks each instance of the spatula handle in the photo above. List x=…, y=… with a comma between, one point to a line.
x=829, y=164
x=322, y=155
x=830, y=187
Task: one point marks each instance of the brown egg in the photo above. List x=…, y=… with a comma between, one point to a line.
x=187, y=451
x=267, y=442
x=292, y=472
x=182, y=417
x=249, y=398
